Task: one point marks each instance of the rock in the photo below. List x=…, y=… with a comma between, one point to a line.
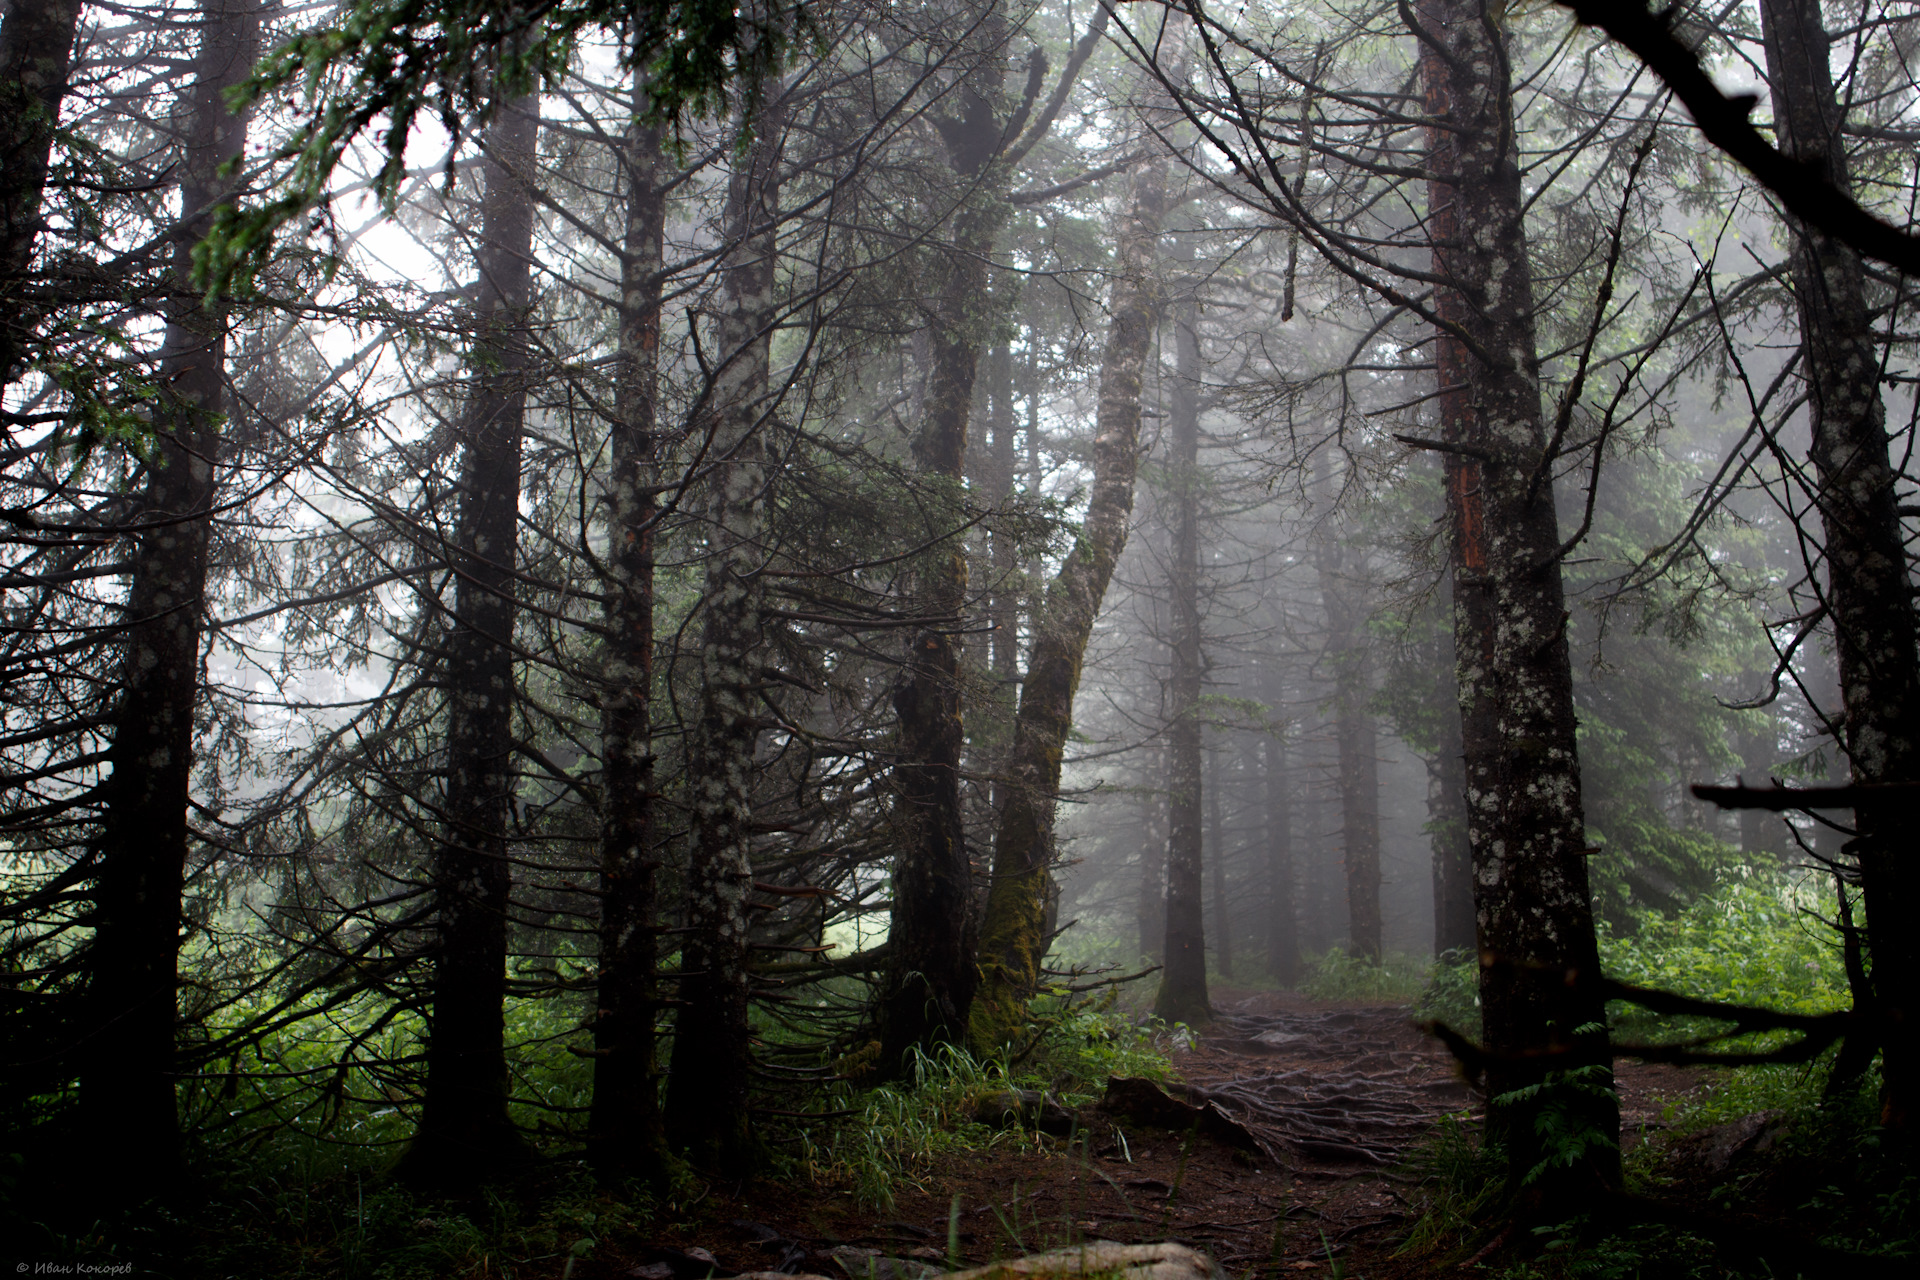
x=1278, y=1039
x=693, y=1264
x=870, y=1264
x=1005, y=1108
x=1106, y=1260
x=652, y=1271
x=768, y=1275
x=1721, y=1145
x=760, y=1232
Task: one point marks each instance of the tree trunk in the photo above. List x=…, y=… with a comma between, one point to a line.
x=1003, y=599
x=1183, y=983
x=1756, y=737
x=1525, y=821
x=36, y=50
x=1360, y=812
x=624, y=1127
x=1342, y=576
x=1217, y=842
x=931, y=934
x=127, y=1079
x=1869, y=595
x=1447, y=831
x=1283, y=942
x=707, y=1094
x=1150, y=906
x=465, y=1135
x=1014, y=935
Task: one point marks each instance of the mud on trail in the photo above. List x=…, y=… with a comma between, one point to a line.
x=1301, y=1165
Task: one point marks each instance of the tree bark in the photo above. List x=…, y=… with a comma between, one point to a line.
x=127, y=1079
x=1341, y=571
x=707, y=1090
x=36, y=51
x=1525, y=822
x=1150, y=904
x=932, y=930
x=1004, y=595
x=1217, y=842
x=465, y=1135
x=624, y=1127
x=1869, y=595
x=1447, y=832
x=1013, y=937
x=1283, y=941
x=1182, y=996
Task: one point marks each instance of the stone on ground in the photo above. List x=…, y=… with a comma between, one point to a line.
x=1106, y=1260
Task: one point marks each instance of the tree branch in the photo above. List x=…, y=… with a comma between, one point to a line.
x=1803, y=187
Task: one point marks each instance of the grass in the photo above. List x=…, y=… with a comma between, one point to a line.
x=900, y=1131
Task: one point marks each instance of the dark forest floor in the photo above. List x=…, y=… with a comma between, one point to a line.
x=1330, y=1146
x=1343, y=1093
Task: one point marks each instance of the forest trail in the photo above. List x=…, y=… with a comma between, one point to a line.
x=1326, y=1089
x=1336, y=1097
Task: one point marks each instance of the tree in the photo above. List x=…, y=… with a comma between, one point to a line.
x=465, y=1135
x=1182, y=996
x=36, y=48
x=127, y=1055
x=625, y=1124
x=1535, y=921
x=1283, y=946
x=1343, y=576
x=933, y=935
x=707, y=1103
x=1015, y=934
x=1868, y=595
x=932, y=926
x=459, y=60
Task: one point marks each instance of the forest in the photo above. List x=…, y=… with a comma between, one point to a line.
x=679, y=638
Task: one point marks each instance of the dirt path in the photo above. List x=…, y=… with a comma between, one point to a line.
x=1336, y=1098
x=1327, y=1089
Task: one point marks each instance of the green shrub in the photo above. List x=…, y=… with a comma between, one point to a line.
x=1086, y=1045
x=1452, y=994
x=1754, y=941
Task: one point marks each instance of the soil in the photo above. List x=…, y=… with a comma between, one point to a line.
x=1333, y=1097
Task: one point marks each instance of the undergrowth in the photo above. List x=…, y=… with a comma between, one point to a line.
x=898, y=1132
x=295, y=1182
x=1822, y=1169
x=1395, y=978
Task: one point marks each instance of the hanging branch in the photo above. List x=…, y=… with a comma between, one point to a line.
x=1806, y=189
x=1817, y=1033
x=1807, y=799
